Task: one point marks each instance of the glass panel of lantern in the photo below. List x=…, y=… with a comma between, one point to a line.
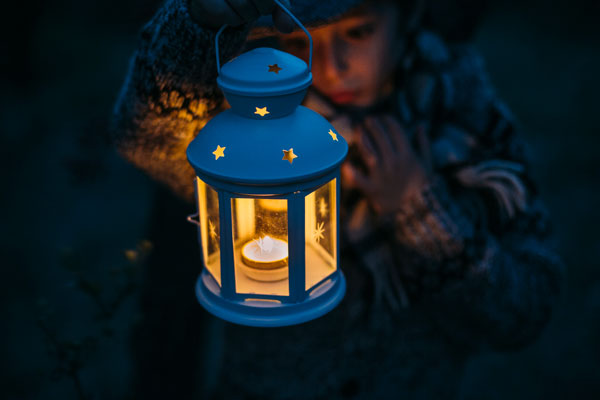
x=320, y=234
x=260, y=246
x=210, y=228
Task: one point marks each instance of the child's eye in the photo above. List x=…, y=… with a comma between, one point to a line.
x=296, y=44
x=361, y=31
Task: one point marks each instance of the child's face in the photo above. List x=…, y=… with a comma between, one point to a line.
x=354, y=58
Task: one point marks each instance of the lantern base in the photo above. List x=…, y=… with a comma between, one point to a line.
x=269, y=313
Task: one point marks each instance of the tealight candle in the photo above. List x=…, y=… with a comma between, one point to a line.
x=266, y=258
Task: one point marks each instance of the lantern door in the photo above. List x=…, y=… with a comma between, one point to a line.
x=210, y=228
x=320, y=234
x=260, y=246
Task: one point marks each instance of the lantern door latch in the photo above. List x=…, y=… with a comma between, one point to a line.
x=193, y=218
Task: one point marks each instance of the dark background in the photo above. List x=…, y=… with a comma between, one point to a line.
x=75, y=217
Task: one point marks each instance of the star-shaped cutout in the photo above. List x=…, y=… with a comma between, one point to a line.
x=219, y=152
x=333, y=135
x=212, y=230
x=275, y=68
x=322, y=207
x=318, y=233
x=261, y=111
x=289, y=155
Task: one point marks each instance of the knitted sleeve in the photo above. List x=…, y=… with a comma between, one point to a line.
x=482, y=285
x=170, y=93
x=474, y=244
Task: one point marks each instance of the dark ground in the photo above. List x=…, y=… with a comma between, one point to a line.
x=71, y=207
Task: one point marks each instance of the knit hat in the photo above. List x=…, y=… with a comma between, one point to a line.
x=311, y=13
x=455, y=20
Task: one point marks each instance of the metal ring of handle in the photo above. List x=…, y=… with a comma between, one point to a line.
x=288, y=12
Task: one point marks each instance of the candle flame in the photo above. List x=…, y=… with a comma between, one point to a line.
x=265, y=244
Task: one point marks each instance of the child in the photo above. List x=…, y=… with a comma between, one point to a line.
x=443, y=238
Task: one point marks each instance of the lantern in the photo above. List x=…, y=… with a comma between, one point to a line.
x=268, y=185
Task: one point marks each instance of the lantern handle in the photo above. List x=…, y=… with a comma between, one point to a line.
x=285, y=10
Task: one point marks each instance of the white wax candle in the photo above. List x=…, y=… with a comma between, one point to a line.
x=266, y=250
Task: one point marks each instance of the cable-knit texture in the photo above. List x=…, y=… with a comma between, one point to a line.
x=463, y=266
x=170, y=94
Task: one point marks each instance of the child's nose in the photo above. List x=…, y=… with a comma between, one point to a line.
x=332, y=57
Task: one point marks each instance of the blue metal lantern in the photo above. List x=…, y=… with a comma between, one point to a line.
x=268, y=185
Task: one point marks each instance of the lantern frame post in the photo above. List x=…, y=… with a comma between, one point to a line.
x=227, y=274
x=297, y=256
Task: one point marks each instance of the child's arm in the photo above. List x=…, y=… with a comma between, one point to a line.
x=477, y=235
x=484, y=282
x=170, y=93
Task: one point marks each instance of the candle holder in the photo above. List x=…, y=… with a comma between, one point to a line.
x=268, y=183
x=265, y=259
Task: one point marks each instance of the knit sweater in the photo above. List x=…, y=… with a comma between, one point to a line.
x=465, y=266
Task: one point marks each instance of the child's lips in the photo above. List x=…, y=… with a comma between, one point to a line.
x=343, y=96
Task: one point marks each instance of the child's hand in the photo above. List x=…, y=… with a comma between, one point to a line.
x=394, y=171
x=215, y=13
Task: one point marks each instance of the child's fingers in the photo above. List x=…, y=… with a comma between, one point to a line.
x=266, y=7
x=397, y=134
x=244, y=9
x=281, y=20
x=366, y=149
x=379, y=135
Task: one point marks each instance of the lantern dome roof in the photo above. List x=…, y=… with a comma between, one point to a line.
x=264, y=72
x=298, y=147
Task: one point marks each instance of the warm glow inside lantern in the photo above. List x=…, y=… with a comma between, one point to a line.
x=268, y=196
